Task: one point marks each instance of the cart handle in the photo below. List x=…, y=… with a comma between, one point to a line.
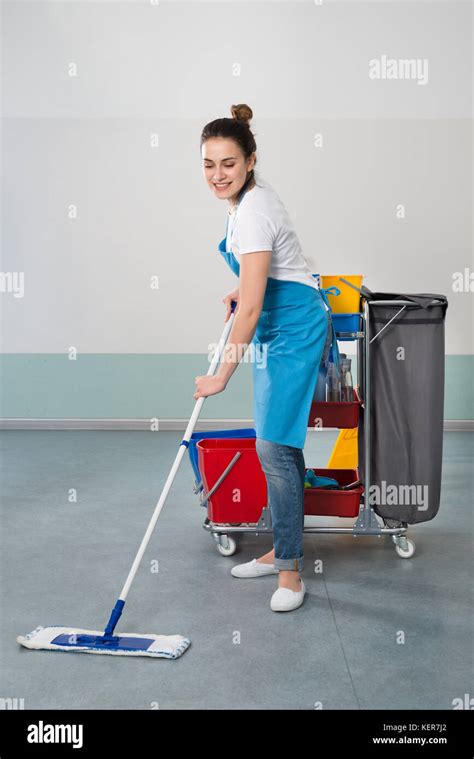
x=360, y=291
x=351, y=284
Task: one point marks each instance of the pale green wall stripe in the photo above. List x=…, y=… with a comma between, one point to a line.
x=117, y=386
x=124, y=386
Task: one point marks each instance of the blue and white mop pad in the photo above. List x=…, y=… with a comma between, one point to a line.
x=56, y=638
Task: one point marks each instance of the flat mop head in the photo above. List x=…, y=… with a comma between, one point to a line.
x=56, y=638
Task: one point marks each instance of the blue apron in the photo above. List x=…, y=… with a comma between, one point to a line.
x=289, y=344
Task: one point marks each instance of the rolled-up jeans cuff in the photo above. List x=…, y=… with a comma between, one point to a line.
x=295, y=564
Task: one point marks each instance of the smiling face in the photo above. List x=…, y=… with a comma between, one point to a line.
x=224, y=166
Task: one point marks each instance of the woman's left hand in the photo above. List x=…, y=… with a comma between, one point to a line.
x=208, y=385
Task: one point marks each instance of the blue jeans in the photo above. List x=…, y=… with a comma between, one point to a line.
x=284, y=470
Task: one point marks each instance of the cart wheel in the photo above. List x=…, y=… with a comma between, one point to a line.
x=228, y=546
x=405, y=548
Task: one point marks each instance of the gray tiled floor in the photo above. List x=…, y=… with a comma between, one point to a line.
x=65, y=563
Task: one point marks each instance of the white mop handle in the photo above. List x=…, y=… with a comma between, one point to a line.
x=182, y=449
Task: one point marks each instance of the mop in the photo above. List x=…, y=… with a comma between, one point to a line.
x=58, y=638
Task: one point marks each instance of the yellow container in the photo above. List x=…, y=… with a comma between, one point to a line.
x=348, y=302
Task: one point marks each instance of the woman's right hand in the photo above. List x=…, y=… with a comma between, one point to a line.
x=234, y=295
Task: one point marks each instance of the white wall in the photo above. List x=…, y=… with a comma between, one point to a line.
x=167, y=69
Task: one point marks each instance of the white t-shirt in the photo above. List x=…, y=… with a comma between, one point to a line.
x=261, y=222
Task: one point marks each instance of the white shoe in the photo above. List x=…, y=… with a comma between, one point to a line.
x=253, y=568
x=285, y=599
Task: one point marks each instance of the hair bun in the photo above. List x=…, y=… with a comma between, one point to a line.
x=241, y=112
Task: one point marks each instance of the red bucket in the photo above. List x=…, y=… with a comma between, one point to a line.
x=242, y=494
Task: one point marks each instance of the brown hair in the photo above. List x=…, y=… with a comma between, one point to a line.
x=238, y=129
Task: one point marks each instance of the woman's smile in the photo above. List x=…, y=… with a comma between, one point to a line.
x=221, y=185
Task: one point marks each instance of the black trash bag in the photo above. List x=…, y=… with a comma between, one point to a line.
x=407, y=362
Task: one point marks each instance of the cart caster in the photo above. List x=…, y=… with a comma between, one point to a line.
x=404, y=547
x=227, y=546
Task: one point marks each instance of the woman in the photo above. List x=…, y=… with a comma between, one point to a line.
x=281, y=313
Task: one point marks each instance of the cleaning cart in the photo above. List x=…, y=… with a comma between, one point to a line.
x=395, y=420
